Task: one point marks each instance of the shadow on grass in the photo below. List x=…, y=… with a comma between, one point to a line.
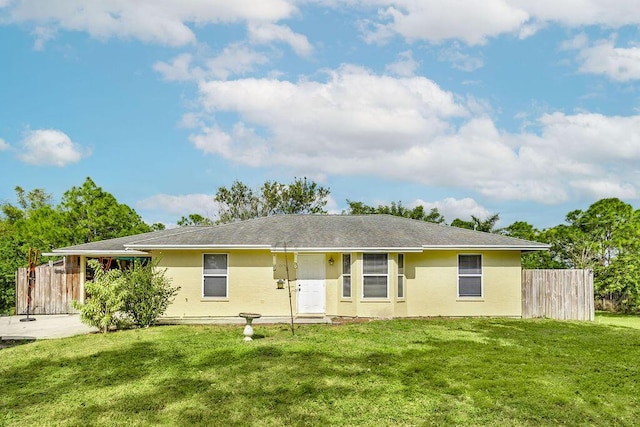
x=420, y=372
x=11, y=342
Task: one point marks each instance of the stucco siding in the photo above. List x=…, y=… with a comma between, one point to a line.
x=431, y=285
x=251, y=286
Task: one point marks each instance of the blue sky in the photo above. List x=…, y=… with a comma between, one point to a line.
x=527, y=108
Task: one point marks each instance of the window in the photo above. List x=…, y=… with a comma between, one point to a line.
x=346, y=275
x=375, y=276
x=400, y=276
x=214, y=272
x=469, y=275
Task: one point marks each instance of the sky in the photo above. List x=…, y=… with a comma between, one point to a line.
x=526, y=108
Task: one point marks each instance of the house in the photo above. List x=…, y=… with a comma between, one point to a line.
x=377, y=266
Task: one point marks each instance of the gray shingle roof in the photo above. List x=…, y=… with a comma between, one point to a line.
x=315, y=232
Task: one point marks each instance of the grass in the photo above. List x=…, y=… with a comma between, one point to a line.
x=400, y=372
x=618, y=319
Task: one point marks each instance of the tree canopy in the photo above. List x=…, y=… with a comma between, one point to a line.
x=240, y=202
x=85, y=214
x=396, y=209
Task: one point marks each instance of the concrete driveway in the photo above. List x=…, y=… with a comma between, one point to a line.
x=44, y=327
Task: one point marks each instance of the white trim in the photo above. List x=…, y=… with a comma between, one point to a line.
x=486, y=248
x=226, y=276
x=345, y=249
x=96, y=252
x=342, y=249
x=207, y=246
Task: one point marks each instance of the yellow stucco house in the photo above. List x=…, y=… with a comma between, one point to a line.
x=376, y=266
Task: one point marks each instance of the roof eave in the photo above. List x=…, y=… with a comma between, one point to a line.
x=527, y=248
x=280, y=249
x=97, y=253
x=195, y=247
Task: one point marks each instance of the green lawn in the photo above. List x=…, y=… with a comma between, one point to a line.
x=618, y=320
x=402, y=372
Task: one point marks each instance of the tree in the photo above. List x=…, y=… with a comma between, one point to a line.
x=240, y=202
x=91, y=214
x=194, y=219
x=31, y=223
x=85, y=214
x=487, y=225
x=535, y=259
x=396, y=209
x=609, y=238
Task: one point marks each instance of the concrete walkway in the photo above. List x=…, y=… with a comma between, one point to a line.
x=44, y=327
x=67, y=325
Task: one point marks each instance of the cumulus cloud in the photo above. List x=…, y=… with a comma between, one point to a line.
x=355, y=122
x=170, y=22
x=266, y=33
x=604, y=58
x=165, y=22
x=436, y=20
x=3, y=145
x=473, y=22
x=460, y=60
x=180, y=205
x=50, y=147
x=405, y=66
x=235, y=60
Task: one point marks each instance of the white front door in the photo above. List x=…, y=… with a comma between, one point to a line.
x=311, y=286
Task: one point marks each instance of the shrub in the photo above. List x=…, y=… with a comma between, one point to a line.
x=106, y=296
x=148, y=293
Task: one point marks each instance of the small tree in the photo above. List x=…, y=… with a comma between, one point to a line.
x=148, y=293
x=106, y=300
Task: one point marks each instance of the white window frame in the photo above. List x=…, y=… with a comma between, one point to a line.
x=401, y=279
x=480, y=275
x=385, y=275
x=225, y=275
x=342, y=258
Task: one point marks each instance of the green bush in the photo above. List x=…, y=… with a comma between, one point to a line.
x=118, y=299
x=106, y=295
x=148, y=293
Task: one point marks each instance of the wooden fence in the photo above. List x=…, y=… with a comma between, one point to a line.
x=56, y=286
x=558, y=294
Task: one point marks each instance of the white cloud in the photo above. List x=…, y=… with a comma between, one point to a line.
x=165, y=22
x=266, y=33
x=3, y=145
x=405, y=66
x=235, y=59
x=452, y=208
x=355, y=122
x=170, y=22
x=577, y=13
x=603, y=57
x=474, y=22
x=50, y=147
x=460, y=60
x=180, y=205
x=42, y=34
x=179, y=69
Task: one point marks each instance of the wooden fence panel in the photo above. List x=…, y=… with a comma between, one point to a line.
x=56, y=286
x=558, y=294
